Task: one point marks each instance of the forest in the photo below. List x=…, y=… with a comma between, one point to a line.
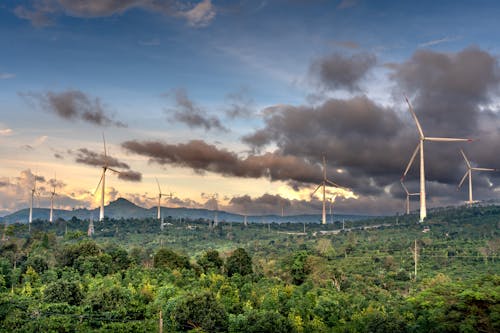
x=380, y=275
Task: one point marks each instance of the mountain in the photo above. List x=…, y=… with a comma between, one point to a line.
x=122, y=208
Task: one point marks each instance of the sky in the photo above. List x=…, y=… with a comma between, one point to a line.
x=243, y=99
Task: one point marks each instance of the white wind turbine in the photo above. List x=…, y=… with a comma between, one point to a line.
x=408, y=195
x=468, y=173
x=216, y=213
x=159, y=198
x=326, y=182
x=420, y=146
x=33, y=192
x=52, y=195
x=102, y=182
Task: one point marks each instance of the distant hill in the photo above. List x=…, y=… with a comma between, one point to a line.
x=122, y=208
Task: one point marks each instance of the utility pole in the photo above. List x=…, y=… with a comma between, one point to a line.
x=415, y=258
x=160, y=329
x=304, y=227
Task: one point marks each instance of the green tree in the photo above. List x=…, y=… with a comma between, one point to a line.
x=299, y=268
x=197, y=311
x=239, y=262
x=63, y=291
x=210, y=259
x=166, y=258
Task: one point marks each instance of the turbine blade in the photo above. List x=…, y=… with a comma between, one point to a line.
x=414, y=194
x=420, y=131
x=97, y=188
x=465, y=158
x=116, y=171
x=158, y=183
x=404, y=187
x=411, y=160
x=105, y=152
x=447, y=139
x=484, y=169
x=463, y=179
x=334, y=184
x=317, y=188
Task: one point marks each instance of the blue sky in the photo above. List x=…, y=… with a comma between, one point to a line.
x=135, y=62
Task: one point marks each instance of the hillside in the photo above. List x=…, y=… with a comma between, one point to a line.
x=122, y=208
x=259, y=278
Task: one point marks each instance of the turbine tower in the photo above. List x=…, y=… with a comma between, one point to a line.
x=52, y=195
x=408, y=195
x=216, y=213
x=159, y=199
x=468, y=173
x=33, y=192
x=420, y=147
x=102, y=182
x=160, y=195
x=326, y=182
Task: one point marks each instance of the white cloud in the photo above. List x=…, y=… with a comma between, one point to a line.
x=6, y=132
x=5, y=76
x=438, y=41
x=200, y=15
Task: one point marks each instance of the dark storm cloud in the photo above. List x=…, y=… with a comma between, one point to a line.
x=342, y=72
x=448, y=89
x=72, y=105
x=42, y=12
x=88, y=157
x=130, y=175
x=189, y=113
x=200, y=156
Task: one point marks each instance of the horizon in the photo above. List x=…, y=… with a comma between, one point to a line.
x=243, y=99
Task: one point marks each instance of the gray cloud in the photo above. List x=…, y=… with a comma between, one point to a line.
x=449, y=88
x=187, y=112
x=43, y=12
x=73, y=104
x=341, y=72
x=202, y=157
x=240, y=104
x=371, y=144
x=88, y=157
x=130, y=175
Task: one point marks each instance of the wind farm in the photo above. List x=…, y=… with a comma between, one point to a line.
x=249, y=166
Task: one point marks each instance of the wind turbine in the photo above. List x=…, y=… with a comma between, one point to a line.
x=408, y=195
x=468, y=173
x=216, y=213
x=420, y=147
x=52, y=195
x=33, y=192
x=159, y=199
x=102, y=182
x=323, y=184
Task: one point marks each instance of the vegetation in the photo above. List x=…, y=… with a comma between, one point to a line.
x=258, y=278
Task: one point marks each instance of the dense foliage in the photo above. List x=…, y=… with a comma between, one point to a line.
x=260, y=278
